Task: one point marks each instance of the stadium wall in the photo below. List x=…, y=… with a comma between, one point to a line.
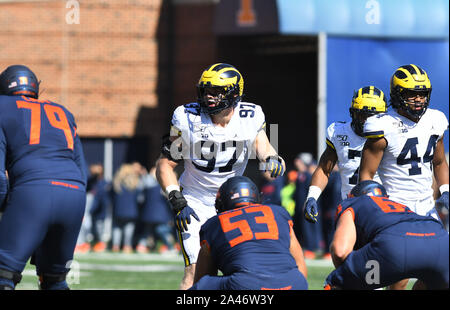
x=121, y=68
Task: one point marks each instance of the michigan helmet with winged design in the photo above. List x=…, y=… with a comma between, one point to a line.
x=236, y=192
x=410, y=81
x=366, y=101
x=225, y=82
x=369, y=188
x=19, y=80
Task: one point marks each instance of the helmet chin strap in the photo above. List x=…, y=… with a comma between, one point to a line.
x=416, y=115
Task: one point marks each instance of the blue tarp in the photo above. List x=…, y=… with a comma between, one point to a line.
x=368, y=18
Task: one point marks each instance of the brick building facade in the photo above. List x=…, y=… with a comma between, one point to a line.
x=122, y=69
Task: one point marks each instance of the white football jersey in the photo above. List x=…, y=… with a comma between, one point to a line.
x=211, y=153
x=406, y=166
x=348, y=146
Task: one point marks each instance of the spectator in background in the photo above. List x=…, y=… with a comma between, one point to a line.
x=125, y=207
x=271, y=189
x=288, y=191
x=85, y=235
x=100, y=204
x=156, y=217
x=308, y=234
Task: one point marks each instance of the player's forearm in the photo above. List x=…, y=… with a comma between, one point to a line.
x=165, y=173
x=205, y=265
x=440, y=165
x=371, y=157
x=263, y=147
x=297, y=252
x=339, y=252
x=319, y=178
x=441, y=174
x=344, y=238
x=319, y=181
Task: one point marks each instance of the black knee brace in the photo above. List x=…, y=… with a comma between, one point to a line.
x=9, y=275
x=47, y=279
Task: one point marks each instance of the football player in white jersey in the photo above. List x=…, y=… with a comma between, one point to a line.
x=405, y=146
x=345, y=142
x=214, y=138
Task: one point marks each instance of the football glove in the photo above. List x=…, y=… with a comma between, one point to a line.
x=182, y=210
x=442, y=202
x=177, y=200
x=274, y=164
x=311, y=210
x=183, y=218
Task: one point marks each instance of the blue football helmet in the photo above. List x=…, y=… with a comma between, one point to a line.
x=369, y=188
x=19, y=80
x=236, y=192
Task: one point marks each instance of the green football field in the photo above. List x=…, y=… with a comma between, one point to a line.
x=106, y=271
x=117, y=271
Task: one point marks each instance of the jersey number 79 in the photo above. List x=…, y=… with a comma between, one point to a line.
x=55, y=115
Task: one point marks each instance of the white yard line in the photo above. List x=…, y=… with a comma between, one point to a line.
x=131, y=257
x=131, y=268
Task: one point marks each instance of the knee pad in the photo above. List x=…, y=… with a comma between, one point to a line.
x=53, y=281
x=9, y=279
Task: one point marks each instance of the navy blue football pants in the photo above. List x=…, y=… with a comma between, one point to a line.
x=412, y=250
x=42, y=220
x=291, y=280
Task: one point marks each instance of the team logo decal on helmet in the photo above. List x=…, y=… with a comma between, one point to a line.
x=235, y=193
x=366, y=101
x=406, y=82
x=369, y=188
x=19, y=80
x=225, y=83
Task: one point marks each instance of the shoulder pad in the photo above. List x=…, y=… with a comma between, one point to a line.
x=192, y=108
x=380, y=115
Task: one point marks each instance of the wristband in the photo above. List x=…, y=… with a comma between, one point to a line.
x=314, y=192
x=443, y=188
x=172, y=188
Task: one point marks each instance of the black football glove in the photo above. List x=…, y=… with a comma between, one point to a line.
x=182, y=210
